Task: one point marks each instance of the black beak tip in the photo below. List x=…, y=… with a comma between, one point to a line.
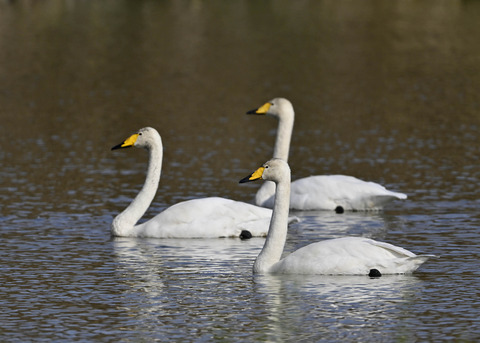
x=252, y=111
x=245, y=179
x=118, y=146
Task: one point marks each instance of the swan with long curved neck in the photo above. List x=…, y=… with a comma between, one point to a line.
x=320, y=192
x=207, y=217
x=341, y=256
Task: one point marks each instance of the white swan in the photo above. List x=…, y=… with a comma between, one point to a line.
x=207, y=217
x=321, y=192
x=342, y=256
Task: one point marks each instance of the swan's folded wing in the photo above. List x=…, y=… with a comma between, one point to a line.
x=350, y=255
x=210, y=217
x=326, y=192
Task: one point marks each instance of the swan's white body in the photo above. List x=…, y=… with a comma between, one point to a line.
x=331, y=192
x=212, y=217
x=320, y=192
x=342, y=256
x=199, y=218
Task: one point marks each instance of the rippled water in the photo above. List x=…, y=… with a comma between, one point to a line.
x=381, y=90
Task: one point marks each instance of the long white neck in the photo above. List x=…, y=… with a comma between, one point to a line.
x=284, y=135
x=277, y=233
x=124, y=223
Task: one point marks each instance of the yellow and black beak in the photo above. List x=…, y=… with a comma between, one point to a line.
x=256, y=175
x=261, y=110
x=127, y=143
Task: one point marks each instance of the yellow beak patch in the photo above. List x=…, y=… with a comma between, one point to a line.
x=257, y=174
x=264, y=108
x=130, y=141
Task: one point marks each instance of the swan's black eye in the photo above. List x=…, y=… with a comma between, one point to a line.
x=140, y=133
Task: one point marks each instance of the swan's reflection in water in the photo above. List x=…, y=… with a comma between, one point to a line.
x=185, y=287
x=333, y=225
x=216, y=253
x=324, y=306
x=156, y=263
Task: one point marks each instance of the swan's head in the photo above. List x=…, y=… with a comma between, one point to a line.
x=144, y=138
x=278, y=108
x=274, y=170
